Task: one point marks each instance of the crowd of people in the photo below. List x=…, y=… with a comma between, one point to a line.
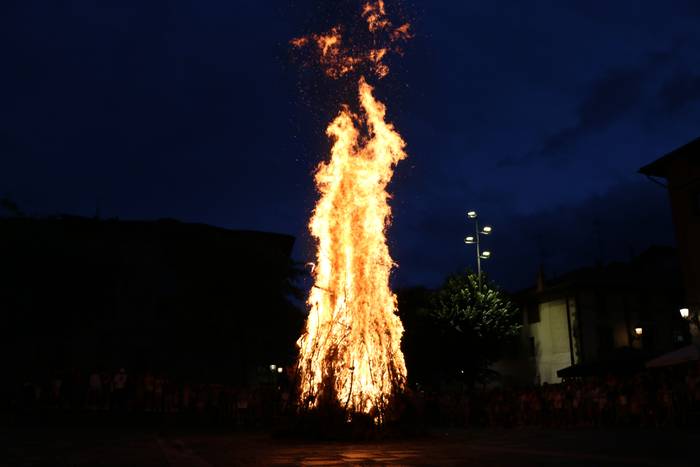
x=122, y=392
x=658, y=398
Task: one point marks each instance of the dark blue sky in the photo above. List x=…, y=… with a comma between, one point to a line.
x=538, y=114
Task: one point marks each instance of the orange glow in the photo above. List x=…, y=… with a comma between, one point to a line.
x=350, y=353
x=403, y=32
x=375, y=13
x=299, y=41
x=329, y=43
x=336, y=60
x=376, y=56
x=339, y=59
x=352, y=337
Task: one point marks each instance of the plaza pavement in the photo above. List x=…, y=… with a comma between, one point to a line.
x=476, y=448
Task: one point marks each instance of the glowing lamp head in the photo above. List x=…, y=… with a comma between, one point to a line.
x=273, y=367
x=280, y=369
x=638, y=331
x=485, y=254
x=486, y=230
x=471, y=214
x=685, y=313
x=469, y=240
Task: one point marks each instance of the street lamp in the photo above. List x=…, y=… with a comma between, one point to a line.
x=692, y=315
x=476, y=240
x=638, y=331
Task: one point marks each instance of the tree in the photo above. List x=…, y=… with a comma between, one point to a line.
x=7, y=204
x=476, y=321
x=421, y=342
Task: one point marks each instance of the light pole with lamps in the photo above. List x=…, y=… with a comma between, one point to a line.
x=476, y=240
x=637, y=339
x=693, y=323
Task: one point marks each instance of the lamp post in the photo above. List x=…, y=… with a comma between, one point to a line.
x=637, y=338
x=693, y=323
x=476, y=240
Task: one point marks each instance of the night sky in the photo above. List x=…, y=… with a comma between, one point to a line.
x=537, y=114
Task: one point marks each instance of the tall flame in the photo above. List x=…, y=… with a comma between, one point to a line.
x=352, y=338
x=350, y=350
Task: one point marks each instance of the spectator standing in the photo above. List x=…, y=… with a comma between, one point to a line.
x=94, y=395
x=119, y=394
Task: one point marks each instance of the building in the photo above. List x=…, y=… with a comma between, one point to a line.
x=681, y=171
x=592, y=314
x=206, y=302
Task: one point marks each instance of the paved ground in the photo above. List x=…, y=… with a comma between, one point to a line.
x=477, y=448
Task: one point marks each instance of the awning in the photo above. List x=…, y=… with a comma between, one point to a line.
x=685, y=354
x=621, y=361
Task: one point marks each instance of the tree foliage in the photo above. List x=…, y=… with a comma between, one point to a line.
x=456, y=331
x=476, y=316
x=8, y=204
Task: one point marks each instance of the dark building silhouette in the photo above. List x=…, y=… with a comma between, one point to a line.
x=681, y=169
x=590, y=315
x=191, y=300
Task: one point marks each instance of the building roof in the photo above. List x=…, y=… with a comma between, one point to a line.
x=655, y=267
x=158, y=230
x=659, y=168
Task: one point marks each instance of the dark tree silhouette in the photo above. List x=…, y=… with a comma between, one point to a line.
x=9, y=205
x=457, y=331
